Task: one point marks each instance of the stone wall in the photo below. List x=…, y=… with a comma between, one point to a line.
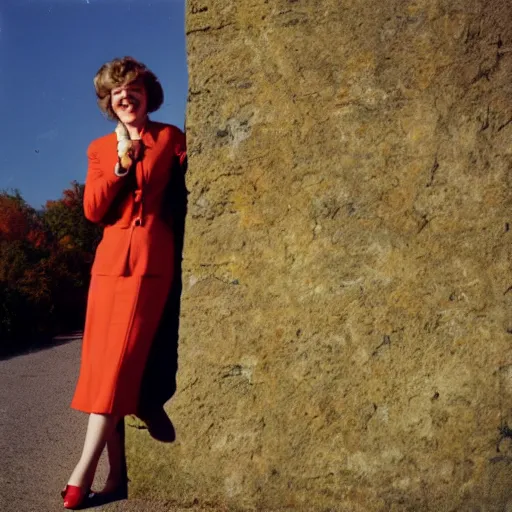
x=346, y=327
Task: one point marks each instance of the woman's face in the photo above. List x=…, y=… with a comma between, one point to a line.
x=130, y=103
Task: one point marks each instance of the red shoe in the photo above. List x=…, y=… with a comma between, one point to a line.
x=75, y=497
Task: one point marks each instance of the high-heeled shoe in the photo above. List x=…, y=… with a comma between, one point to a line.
x=112, y=493
x=75, y=497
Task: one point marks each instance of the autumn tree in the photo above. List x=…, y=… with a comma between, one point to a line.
x=22, y=248
x=19, y=221
x=45, y=260
x=66, y=222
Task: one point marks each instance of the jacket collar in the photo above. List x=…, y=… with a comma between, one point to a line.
x=148, y=134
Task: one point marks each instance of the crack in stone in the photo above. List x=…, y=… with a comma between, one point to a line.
x=505, y=432
x=208, y=28
x=433, y=171
x=488, y=72
x=385, y=341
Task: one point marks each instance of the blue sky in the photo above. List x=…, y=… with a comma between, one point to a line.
x=50, y=51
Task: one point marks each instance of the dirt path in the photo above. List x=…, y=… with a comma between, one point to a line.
x=40, y=436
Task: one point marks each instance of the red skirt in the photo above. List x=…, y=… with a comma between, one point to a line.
x=123, y=314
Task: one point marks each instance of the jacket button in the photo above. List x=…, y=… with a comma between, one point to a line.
x=137, y=222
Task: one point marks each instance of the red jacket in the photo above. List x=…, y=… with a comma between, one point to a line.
x=137, y=238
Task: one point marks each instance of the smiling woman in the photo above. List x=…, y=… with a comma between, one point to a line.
x=125, y=81
x=128, y=176
x=129, y=102
x=153, y=31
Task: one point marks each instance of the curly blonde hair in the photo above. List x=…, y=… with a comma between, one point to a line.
x=120, y=72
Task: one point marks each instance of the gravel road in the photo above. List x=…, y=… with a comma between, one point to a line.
x=41, y=436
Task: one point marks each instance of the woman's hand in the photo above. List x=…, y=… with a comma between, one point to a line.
x=124, y=152
x=124, y=146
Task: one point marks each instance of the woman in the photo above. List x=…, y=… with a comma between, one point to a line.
x=125, y=190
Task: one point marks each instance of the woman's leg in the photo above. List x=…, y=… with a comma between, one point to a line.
x=117, y=476
x=99, y=430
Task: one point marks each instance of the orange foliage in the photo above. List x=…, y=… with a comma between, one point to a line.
x=71, y=196
x=37, y=238
x=45, y=259
x=14, y=221
x=50, y=203
x=67, y=242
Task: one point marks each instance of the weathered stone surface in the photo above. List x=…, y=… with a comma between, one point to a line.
x=346, y=327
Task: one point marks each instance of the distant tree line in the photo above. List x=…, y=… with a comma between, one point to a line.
x=45, y=260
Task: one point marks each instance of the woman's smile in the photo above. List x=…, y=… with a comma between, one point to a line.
x=129, y=105
x=129, y=102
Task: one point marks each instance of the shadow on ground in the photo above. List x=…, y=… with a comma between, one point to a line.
x=38, y=344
